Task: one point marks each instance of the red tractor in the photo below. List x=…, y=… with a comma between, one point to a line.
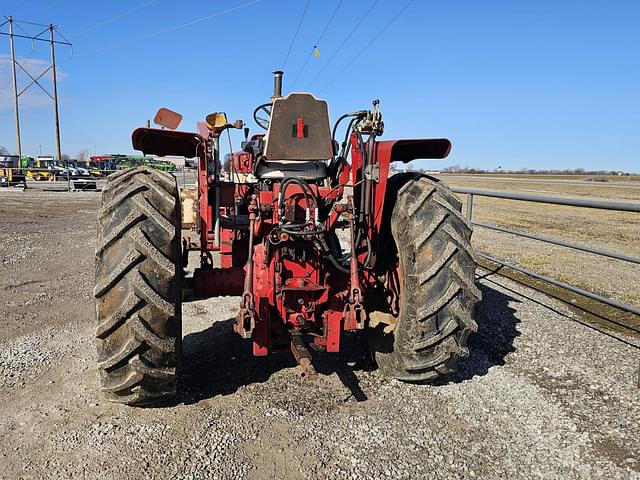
x=311, y=232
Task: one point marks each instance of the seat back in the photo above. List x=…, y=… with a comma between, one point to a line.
x=299, y=129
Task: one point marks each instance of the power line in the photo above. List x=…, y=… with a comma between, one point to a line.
x=344, y=42
x=51, y=6
x=26, y=22
x=35, y=80
x=113, y=19
x=37, y=37
x=304, y=12
x=33, y=43
x=171, y=29
x=369, y=44
x=63, y=37
x=326, y=27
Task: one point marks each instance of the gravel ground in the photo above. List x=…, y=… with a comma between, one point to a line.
x=540, y=396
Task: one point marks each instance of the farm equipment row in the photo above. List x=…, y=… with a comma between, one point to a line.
x=15, y=172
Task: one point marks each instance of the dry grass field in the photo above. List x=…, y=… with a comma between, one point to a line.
x=619, y=231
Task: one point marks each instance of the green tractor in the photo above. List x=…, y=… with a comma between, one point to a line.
x=130, y=161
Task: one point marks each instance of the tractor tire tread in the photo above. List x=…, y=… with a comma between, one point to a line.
x=138, y=276
x=439, y=293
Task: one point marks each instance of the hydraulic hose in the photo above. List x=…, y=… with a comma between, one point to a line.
x=283, y=188
x=337, y=264
x=321, y=245
x=346, y=147
x=356, y=114
x=307, y=191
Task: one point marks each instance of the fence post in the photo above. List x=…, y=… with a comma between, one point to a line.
x=469, y=206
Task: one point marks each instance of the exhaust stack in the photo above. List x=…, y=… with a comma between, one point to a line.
x=277, y=84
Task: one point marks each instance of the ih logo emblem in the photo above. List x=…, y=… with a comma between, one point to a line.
x=299, y=129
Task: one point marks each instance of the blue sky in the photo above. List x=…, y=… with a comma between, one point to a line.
x=514, y=84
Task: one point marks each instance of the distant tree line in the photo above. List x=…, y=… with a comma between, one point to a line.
x=529, y=171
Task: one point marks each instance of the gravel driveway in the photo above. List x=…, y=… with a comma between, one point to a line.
x=540, y=396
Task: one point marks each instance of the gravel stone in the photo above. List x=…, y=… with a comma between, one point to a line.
x=540, y=396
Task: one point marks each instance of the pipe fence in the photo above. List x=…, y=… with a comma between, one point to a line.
x=633, y=207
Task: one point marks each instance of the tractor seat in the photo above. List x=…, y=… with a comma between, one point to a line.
x=314, y=170
x=298, y=142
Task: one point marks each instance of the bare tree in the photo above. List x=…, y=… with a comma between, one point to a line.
x=3, y=151
x=83, y=155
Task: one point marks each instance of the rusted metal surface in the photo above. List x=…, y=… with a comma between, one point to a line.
x=167, y=118
x=302, y=356
x=299, y=129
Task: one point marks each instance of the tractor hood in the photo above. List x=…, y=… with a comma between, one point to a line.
x=159, y=142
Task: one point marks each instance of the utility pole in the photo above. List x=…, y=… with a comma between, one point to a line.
x=35, y=80
x=15, y=89
x=55, y=103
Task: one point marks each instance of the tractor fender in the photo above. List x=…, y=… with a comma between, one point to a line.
x=413, y=149
x=153, y=141
x=404, y=151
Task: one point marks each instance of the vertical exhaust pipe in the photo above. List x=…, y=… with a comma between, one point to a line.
x=277, y=84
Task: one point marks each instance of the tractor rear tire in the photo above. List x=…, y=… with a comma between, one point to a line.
x=138, y=287
x=437, y=281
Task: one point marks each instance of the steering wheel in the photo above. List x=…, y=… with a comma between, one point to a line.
x=264, y=110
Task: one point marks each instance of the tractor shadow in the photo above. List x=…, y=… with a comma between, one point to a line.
x=216, y=361
x=494, y=340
